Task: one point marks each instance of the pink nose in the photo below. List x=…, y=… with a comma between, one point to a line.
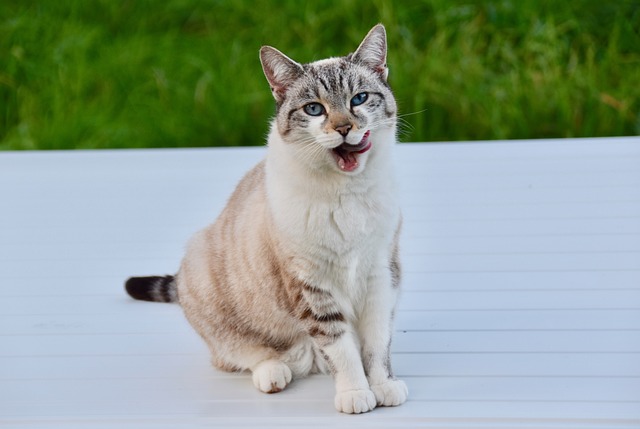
x=343, y=129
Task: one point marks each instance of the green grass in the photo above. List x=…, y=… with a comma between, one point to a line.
x=185, y=73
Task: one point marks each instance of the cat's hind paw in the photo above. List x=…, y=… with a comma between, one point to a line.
x=355, y=401
x=390, y=393
x=271, y=376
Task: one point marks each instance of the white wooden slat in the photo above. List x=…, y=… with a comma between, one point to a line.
x=527, y=300
x=443, y=161
x=524, y=244
x=152, y=246
x=612, y=210
x=534, y=261
x=493, y=156
x=436, y=415
x=438, y=364
x=78, y=285
x=98, y=345
x=546, y=198
x=614, y=341
x=519, y=319
x=410, y=300
x=74, y=367
x=415, y=342
x=61, y=265
x=68, y=285
x=525, y=364
x=507, y=341
x=145, y=241
x=73, y=324
x=516, y=227
x=158, y=319
x=123, y=268
x=458, y=389
x=530, y=280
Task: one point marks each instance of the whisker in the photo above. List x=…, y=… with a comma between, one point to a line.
x=404, y=129
x=311, y=149
x=382, y=122
x=412, y=113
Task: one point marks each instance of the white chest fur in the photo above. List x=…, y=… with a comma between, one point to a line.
x=343, y=226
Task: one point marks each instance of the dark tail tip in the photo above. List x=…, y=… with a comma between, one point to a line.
x=137, y=288
x=154, y=288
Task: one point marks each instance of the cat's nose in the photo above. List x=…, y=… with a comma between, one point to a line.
x=343, y=129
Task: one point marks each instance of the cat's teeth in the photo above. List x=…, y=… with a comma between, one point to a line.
x=347, y=167
x=347, y=161
x=346, y=155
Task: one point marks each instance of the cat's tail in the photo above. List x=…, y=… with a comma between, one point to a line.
x=154, y=288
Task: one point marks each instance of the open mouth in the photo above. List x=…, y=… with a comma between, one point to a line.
x=346, y=154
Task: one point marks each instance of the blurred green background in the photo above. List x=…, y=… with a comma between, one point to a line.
x=185, y=73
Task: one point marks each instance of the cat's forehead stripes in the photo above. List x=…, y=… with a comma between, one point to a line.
x=335, y=76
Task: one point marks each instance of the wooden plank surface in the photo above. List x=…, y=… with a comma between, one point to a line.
x=520, y=304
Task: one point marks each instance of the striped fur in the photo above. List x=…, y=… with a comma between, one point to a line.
x=300, y=272
x=153, y=288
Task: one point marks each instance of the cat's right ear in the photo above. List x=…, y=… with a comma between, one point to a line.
x=372, y=52
x=280, y=70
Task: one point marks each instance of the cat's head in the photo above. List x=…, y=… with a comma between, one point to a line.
x=334, y=113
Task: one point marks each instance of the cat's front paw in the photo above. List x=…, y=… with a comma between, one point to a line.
x=271, y=376
x=390, y=393
x=355, y=401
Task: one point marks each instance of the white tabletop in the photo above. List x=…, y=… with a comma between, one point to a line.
x=520, y=304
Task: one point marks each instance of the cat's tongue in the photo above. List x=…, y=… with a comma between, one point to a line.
x=347, y=154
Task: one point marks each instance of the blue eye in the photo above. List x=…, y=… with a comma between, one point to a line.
x=314, y=109
x=358, y=99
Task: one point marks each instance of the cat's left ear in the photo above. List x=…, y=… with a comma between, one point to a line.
x=280, y=70
x=372, y=52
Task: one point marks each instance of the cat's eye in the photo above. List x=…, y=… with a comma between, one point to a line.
x=358, y=99
x=314, y=109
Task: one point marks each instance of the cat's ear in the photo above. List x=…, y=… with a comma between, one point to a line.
x=372, y=52
x=280, y=70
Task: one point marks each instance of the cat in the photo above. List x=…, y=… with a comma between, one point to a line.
x=300, y=272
